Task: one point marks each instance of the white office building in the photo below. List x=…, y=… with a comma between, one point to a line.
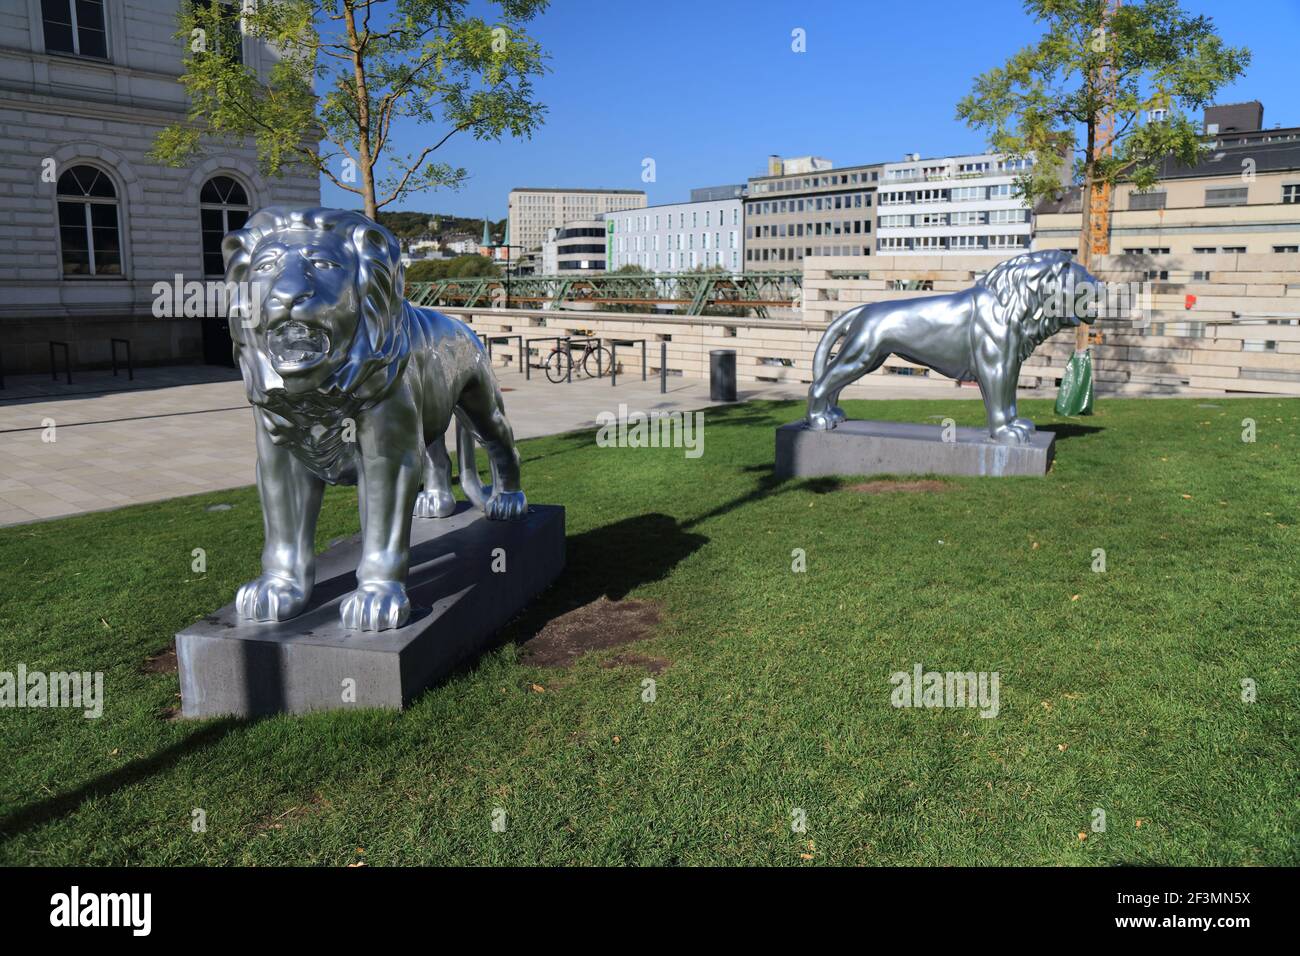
x=679, y=237
x=959, y=205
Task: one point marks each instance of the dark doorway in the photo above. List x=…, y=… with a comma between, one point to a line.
x=216, y=342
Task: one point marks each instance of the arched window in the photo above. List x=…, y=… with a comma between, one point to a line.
x=223, y=206
x=89, y=239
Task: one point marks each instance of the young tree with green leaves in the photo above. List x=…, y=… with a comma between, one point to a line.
x=1085, y=92
x=352, y=72
x=1050, y=100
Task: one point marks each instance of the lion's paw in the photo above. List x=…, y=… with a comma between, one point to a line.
x=821, y=421
x=270, y=598
x=376, y=606
x=1026, y=424
x=438, y=503
x=1011, y=434
x=836, y=414
x=506, y=506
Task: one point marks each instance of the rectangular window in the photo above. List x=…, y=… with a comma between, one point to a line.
x=75, y=26
x=1148, y=200
x=1286, y=248
x=1234, y=196
x=1291, y=193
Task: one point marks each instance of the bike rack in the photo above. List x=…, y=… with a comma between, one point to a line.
x=130, y=369
x=613, y=358
x=564, y=342
x=504, y=337
x=67, y=361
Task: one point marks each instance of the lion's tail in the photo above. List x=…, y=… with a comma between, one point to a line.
x=834, y=332
x=470, y=482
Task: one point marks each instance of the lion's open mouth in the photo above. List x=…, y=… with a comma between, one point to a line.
x=295, y=345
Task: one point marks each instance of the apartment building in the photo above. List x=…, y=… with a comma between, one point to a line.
x=806, y=207
x=534, y=212
x=679, y=237
x=1242, y=196
x=88, y=224
x=965, y=205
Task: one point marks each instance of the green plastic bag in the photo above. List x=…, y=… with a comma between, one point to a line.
x=1075, y=396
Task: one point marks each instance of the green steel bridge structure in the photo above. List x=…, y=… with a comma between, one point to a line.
x=687, y=293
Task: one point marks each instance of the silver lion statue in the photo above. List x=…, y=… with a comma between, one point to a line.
x=983, y=333
x=351, y=384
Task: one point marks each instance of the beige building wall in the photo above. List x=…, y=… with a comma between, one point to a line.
x=1263, y=217
x=533, y=212
x=812, y=212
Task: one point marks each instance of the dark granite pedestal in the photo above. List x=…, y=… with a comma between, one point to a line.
x=901, y=448
x=233, y=667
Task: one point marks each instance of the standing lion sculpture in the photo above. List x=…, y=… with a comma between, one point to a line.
x=351, y=384
x=983, y=333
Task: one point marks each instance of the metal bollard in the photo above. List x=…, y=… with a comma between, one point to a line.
x=663, y=367
x=613, y=363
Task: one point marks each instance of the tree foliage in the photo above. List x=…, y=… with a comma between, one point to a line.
x=352, y=72
x=1048, y=99
x=461, y=267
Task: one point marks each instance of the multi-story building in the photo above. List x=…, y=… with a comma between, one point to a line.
x=88, y=223
x=1242, y=196
x=679, y=237
x=534, y=212
x=805, y=207
x=964, y=205
x=576, y=247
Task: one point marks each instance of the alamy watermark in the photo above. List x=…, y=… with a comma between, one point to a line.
x=1090, y=301
x=76, y=689
x=656, y=430
x=937, y=689
x=196, y=299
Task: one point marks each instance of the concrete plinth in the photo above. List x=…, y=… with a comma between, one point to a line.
x=458, y=603
x=901, y=448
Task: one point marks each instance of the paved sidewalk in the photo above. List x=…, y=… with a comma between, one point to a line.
x=155, y=438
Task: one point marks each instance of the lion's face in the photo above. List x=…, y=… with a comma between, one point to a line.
x=306, y=283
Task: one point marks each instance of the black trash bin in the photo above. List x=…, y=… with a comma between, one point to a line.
x=722, y=375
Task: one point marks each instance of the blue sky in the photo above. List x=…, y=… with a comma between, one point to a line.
x=709, y=88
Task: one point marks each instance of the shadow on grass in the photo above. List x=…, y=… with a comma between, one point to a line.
x=1066, y=430
x=610, y=561
x=44, y=811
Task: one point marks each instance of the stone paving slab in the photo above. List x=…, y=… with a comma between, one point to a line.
x=161, y=438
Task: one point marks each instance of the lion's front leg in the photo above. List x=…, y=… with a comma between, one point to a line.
x=997, y=373
x=388, y=478
x=291, y=498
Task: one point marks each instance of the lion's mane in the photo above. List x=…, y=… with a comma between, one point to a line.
x=1021, y=286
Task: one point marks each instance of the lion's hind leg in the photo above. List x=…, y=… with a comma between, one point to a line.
x=482, y=405
x=854, y=360
x=436, y=500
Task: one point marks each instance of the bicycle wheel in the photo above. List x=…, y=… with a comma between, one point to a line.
x=597, y=362
x=558, y=365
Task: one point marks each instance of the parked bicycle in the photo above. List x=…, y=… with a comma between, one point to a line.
x=594, y=360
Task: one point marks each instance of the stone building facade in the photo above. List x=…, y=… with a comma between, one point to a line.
x=89, y=226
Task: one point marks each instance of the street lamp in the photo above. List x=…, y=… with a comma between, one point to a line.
x=505, y=244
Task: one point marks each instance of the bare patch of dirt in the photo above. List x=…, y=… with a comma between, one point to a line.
x=170, y=714
x=164, y=662
x=651, y=665
x=601, y=624
x=914, y=487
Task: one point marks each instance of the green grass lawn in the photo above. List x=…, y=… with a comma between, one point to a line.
x=1119, y=690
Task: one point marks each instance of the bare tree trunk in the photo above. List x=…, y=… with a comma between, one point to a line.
x=1085, y=228
x=364, y=156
